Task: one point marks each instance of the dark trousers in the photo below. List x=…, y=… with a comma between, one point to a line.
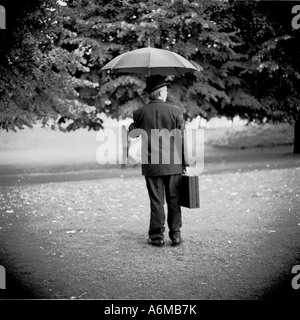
x=159, y=188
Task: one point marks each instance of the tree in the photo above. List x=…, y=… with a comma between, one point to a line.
x=272, y=75
x=247, y=51
x=181, y=26
x=37, y=81
x=78, y=39
x=226, y=39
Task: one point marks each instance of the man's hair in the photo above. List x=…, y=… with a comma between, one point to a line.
x=155, y=94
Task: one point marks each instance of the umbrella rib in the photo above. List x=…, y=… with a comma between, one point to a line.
x=149, y=61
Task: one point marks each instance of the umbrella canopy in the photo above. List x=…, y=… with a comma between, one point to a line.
x=150, y=61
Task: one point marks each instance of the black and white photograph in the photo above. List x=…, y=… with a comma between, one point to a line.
x=150, y=153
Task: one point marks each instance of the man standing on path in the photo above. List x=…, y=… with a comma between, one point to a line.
x=163, y=162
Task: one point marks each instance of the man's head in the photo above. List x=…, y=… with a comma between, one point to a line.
x=160, y=93
x=156, y=87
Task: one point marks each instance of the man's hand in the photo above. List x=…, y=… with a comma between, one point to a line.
x=186, y=170
x=132, y=130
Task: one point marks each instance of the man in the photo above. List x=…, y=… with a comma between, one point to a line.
x=162, y=176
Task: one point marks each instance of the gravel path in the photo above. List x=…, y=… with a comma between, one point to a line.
x=87, y=239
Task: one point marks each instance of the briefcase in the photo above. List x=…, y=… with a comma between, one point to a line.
x=189, y=192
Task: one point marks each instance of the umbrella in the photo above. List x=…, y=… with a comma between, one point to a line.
x=150, y=61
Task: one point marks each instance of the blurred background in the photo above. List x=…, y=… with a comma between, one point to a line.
x=38, y=150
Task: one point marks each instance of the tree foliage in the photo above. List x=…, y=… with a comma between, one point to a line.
x=248, y=55
x=272, y=49
x=50, y=62
x=38, y=81
x=185, y=27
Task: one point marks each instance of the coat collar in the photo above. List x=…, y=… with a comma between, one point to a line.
x=156, y=101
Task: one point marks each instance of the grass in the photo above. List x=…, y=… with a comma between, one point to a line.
x=252, y=136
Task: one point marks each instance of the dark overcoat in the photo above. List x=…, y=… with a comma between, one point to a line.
x=161, y=126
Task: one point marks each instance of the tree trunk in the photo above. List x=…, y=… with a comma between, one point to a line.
x=297, y=136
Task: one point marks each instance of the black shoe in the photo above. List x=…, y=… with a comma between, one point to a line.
x=176, y=242
x=157, y=243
